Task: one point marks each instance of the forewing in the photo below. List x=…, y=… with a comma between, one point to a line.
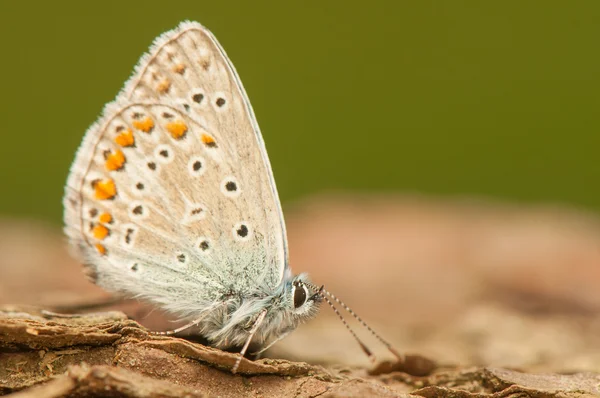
x=172, y=188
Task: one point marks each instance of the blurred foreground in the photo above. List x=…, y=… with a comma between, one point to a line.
x=465, y=283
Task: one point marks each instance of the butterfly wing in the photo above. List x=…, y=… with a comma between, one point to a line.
x=171, y=195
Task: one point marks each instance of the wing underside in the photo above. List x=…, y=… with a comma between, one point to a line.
x=172, y=187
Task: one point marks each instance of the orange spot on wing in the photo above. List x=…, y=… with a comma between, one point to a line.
x=115, y=161
x=125, y=138
x=164, y=86
x=100, y=232
x=105, y=189
x=145, y=125
x=208, y=140
x=180, y=68
x=101, y=249
x=105, y=218
x=177, y=129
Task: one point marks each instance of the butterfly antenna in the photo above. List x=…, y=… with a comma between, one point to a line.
x=325, y=294
x=362, y=345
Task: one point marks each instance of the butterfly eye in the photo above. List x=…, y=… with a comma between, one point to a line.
x=300, y=295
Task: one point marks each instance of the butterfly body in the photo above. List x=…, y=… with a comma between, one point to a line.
x=171, y=198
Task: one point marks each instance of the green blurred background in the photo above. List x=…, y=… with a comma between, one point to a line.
x=446, y=98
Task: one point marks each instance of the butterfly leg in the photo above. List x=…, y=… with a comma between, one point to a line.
x=51, y=314
x=98, y=303
x=255, y=327
x=272, y=343
x=184, y=327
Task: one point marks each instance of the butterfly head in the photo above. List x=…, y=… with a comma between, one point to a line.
x=274, y=316
x=301, y=298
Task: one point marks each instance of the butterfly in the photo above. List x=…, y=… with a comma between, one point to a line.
x=171, y=199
